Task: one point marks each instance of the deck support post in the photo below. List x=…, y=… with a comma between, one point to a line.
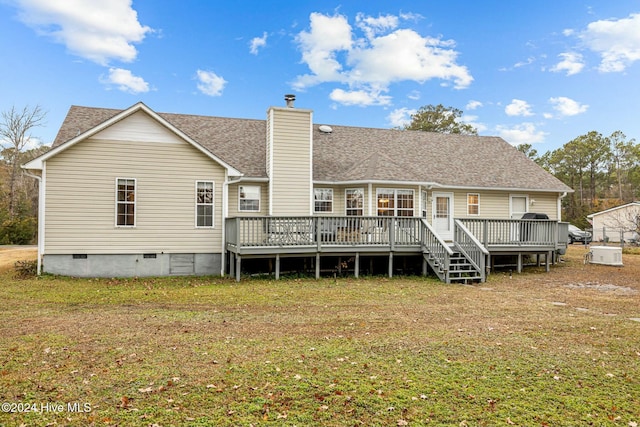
x=277, y=266
x=356, y=267
x=390, y=264
x=232, y=264
x=424, y=266
x=548, y=260
x=238, y=265
x=339, y=266
x=519, y=262
x=318, y=265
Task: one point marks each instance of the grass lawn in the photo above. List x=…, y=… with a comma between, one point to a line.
x=535, y=349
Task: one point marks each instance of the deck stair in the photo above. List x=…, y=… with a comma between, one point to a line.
x=460, y=268
x=453, y=263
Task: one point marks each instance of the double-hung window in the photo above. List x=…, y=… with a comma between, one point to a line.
x=323, y=200
x=249, y=198
x=354, y=201
x=394, y=202
x=204, y=204
x=125, y=202
x=473, y=204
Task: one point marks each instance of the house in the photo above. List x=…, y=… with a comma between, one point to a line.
x=621, y=223
x=135, y=192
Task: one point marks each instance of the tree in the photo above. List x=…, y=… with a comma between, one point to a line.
x=15, y=128
x=528, y=151
x=624, y=156
x=440, y=119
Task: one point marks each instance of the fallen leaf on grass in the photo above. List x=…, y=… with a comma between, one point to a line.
x=146, y=390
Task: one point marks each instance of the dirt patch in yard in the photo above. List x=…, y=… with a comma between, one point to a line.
x=10, y=254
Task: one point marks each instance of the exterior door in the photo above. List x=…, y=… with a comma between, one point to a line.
x=518, y=206
x=443, y=214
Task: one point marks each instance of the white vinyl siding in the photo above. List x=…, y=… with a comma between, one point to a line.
x=205, y=191
x=80, y=197
x=495, y=204
x=234, y=200
x=290, y=161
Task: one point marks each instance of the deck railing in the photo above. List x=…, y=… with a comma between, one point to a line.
x=437, y=249
x=471, y=247
x=319, y=231
x=390, y=232
x=517, y=232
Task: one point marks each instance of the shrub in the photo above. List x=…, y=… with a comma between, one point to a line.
x=26, y=269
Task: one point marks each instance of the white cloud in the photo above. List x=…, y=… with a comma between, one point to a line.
x=210, y=83
x=99, y=30
x=335, y=53
x=257, y=42
x=472, y=105
x=372, y=26
x=567, y=106
x=414, y=95
x=126, y=81
x=363, y=98
x=572, y=63
x=473, y=121
x=616, y=40
x=518, y=107
x=400, y=117
x=524, y=133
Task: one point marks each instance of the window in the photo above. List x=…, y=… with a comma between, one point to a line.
x=354, y=202
x=323, y=199
x=392, y=202
x=249, y=198
x=204, y=204
x=473, y=204
x=126, y=202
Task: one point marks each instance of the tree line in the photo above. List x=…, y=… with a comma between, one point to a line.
x=18, y=191
x=604, y=172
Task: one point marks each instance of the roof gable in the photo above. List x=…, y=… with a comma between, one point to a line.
x=111, y=124
x=613, y=209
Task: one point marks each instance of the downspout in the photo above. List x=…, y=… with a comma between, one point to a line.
x=40, y=218
x=562, y=196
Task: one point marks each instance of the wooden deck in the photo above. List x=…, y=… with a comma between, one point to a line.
x=468, y=256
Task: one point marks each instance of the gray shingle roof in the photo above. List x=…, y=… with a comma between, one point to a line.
x=355, y=153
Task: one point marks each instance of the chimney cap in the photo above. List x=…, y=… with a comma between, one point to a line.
x=289, y=98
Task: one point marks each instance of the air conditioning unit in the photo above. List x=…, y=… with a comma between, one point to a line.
x=607, y=255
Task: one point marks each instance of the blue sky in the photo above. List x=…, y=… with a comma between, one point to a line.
x=540, y=72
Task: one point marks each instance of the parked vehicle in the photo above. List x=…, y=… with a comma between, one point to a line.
x=578, y=235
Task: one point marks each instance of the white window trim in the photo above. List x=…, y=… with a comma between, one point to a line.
x=259, y=199
x=469, y=204
x=511, y=196
x=213, y=204
x=395, y=199
x=314, y=201
x=346, y=209
x=135, y=203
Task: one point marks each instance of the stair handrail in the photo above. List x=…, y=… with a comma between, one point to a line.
x=436, y=247
x=470, y=247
